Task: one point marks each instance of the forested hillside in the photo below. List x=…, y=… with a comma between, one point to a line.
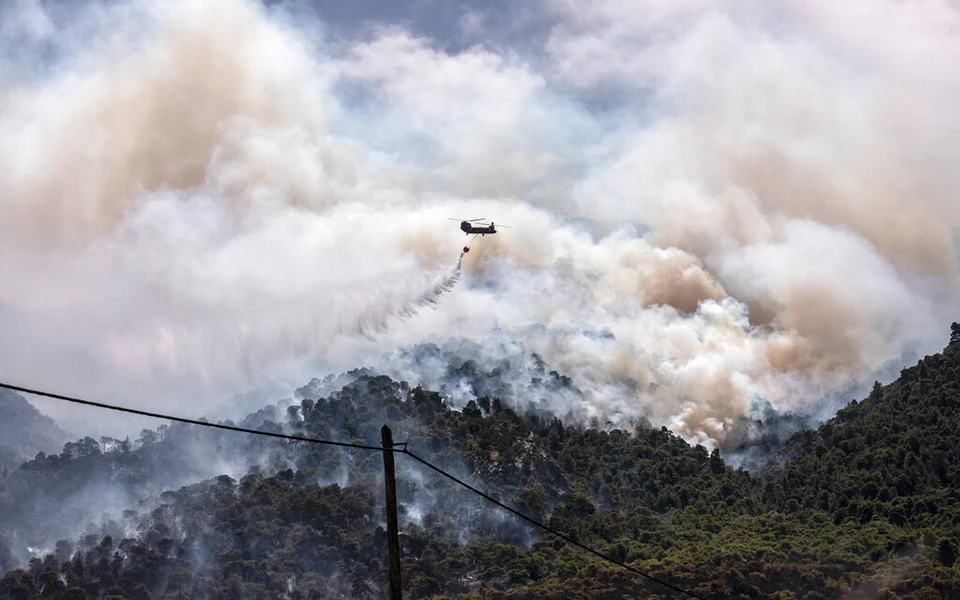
x=866, y=506
x=24, y=431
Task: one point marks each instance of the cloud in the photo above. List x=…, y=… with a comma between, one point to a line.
x=176, y=210
x=201, y=198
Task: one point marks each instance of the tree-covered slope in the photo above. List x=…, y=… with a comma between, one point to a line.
x=865, y=507
x=24, y=431
x=894, y=456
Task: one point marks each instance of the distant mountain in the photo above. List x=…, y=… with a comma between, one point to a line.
x=25, y=431
x=865, y=506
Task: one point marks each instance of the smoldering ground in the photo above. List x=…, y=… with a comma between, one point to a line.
x=204, y=198
x=97, y=488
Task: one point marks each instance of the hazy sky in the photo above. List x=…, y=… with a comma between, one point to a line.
x=751, y=201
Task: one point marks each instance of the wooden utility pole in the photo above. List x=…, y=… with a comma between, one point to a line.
x=393, y=533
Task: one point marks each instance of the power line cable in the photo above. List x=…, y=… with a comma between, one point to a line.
x=404, y=450
x=145, y=413
x=548, y=529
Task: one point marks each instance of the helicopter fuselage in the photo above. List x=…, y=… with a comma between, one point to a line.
x=469, y=228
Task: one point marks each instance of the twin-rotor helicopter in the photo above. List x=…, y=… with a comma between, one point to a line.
x=467, y=226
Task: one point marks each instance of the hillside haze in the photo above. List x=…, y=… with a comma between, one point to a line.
x=727, y=230
x=865, y=506
x=25, y=431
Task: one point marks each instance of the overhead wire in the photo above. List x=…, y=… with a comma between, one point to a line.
x=547, y=528
x=404, y=450
x=156, y=415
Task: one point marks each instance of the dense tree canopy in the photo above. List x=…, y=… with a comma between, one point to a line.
x=865, y=506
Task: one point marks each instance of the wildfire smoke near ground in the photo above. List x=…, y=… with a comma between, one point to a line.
x=731, y=238
x=754, y=202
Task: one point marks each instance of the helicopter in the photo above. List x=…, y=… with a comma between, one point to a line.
x=468, y=227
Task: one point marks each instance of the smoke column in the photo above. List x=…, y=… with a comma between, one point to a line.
x=754, y=201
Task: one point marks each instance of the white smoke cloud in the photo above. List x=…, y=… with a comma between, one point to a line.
x=199, y=198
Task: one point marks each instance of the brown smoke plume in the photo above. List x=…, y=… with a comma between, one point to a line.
x=203, y=196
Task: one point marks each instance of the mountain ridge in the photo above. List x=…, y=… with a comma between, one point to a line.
x=820, y=527
x=25, y=431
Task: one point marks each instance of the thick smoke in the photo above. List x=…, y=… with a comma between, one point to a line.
x=755, y=203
